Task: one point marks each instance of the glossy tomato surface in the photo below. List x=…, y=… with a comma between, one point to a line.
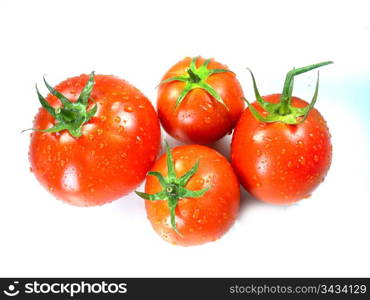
x=280, y=163
x=199, y=118
x=117, y=147
x=203, y=219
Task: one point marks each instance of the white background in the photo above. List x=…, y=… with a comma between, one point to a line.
x=326, y=235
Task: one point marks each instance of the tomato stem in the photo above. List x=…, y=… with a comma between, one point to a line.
x=193, y=77
x=284, y=111
x=70, y=116
x=173, y=187
x=196, y=78
x=288, y=84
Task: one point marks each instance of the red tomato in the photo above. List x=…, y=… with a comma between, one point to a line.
x=211, y=104
x=277, y=162
x=109, y=154
x=205, y=203
x=280, y=163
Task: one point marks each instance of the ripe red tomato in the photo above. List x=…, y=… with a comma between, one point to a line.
x=192, y=195
x=281, y=161
x=97, y=147
x=199, y=101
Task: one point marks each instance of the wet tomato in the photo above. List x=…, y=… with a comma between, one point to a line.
x=199, y=101
x=192, y=195
x=95, y=139
x=281, y=148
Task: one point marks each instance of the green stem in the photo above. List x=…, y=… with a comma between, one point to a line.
x=193, y=77
x=284, y=111
x=173, y=187
x=285, y=98
x=70, y=116
x=196, y=78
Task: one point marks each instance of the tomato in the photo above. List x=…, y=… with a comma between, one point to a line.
x=199, y=101
x=281, y=157
x=192, y=195
x=94, y=148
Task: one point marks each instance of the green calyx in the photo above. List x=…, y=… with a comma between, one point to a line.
x=284, y=111
x=196, y=79
x=173, y=187
x=71, y=115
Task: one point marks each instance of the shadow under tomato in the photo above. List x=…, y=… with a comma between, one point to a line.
x=223, y=146
x=247, y=202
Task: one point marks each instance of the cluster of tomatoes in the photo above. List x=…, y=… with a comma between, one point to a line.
x=96, y=138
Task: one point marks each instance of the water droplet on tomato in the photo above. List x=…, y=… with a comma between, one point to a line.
x=200, y=181
x=290, y=164
x=311, y=135
x=128, y=108
x=117, y=119
x=103, y=118
x=121, y=129
x=196, y=213
x=139, y=140
x=258, y=184
x=316, y=158
x=302, y=160
x=300, y=143
x=99, y=131
x=268, y=139
x=259, y=152
x=208, y=107
x=101, y=146
x=207, y=120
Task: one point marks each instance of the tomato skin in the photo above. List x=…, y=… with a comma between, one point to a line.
x=199, y=118
x=279, y=163
x=118, y=146
x=202, y=219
